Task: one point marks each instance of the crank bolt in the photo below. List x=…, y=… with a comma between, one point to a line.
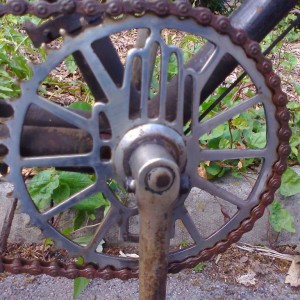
x=159, y=179
x=130, y=185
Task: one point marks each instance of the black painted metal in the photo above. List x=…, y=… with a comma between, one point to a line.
x=50, y=30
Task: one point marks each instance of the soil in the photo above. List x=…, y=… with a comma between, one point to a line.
x=227, y=266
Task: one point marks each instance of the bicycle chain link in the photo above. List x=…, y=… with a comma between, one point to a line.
x=182, y=9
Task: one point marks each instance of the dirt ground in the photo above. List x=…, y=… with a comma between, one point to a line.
x=236, y=274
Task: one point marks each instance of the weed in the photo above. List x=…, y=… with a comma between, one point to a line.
x=199, y=268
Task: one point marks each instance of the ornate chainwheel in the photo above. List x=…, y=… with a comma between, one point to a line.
x=131, y=124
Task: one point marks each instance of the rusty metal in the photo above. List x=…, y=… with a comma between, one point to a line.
x=157, y=177
x=59, y=141
x=204, y=18
x=50, y=30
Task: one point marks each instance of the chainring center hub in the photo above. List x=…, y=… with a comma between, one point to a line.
x=147, y=136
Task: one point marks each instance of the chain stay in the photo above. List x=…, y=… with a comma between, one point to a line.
x=181, y=9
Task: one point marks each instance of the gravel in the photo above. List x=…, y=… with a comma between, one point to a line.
x=185, y=285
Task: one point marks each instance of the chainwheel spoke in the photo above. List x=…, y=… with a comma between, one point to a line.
x=165, y=56
x=190, y=226
x=61, y=112
x=217, y=191
x=211, y=155
x=210, y=66
x=82, y=160
x=105, y=81
x=226, y=115
x=109, y=220
x=145, y=86
x=74, y=199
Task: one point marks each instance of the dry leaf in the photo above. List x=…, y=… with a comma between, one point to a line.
x=264, y=251
x=243, y=259
x=218, y=258
x=202, y=172
x=29, y=172
x=133, y=255
x=240, y=145
x=247, y=279
x=240, y=165
x=293, y=276
x=260, y=268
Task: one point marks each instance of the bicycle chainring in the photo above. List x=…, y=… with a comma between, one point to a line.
x=124, y=124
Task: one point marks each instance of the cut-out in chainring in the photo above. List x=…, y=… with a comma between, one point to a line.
x=122, y=120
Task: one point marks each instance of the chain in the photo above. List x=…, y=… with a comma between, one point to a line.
x=182, y=9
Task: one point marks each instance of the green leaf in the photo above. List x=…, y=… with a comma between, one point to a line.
x=223, y=171
x=216, y=132
x=79, y=219
x=199, y=267
x=92, y=217
x=184, y=244
x=294, y=105
x=5, y=89
x=3, y=96
x=290, y=60
x=80, y=261
x=41, y=187
x=76, y=181
x=224, y=143
x=42, y=89
x=91, y=203
x=213, y=169
x=80, y=283
x=62, y=192
x=280, y=218
x=187, y=126
x=71, y=64
x=48, y=242
x=81, y=105
x=191, y=38
x=257, y=140
x=240, y=123
x=112, y=185
x=83, y=240
x=67, y=232
x=290, y=183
